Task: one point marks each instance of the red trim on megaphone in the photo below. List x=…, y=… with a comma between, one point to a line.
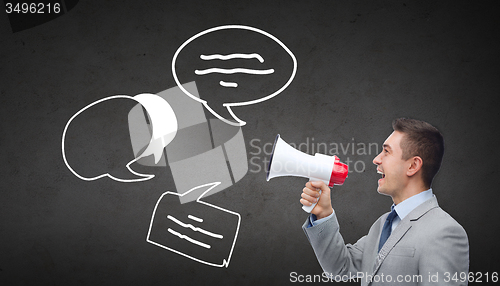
x=339, y=173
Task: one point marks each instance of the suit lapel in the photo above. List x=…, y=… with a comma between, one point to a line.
x=402, y=229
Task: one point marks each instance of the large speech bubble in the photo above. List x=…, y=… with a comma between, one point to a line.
x=234, y=65
x=164, y=128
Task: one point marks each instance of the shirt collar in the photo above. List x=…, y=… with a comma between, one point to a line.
x=406, y=206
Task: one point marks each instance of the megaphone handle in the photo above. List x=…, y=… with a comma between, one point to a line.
x=308, y=209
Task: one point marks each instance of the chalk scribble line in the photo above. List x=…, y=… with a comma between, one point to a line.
x=182, y=236
x=228, y=84
x=232, y=56
x=232, y=71
x=186, y=225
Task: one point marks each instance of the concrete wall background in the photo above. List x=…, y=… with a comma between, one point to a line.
x=360, y=65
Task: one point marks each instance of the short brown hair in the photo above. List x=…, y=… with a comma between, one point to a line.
x=423, y=140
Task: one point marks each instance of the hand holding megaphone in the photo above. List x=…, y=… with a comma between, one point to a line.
x=288, y=161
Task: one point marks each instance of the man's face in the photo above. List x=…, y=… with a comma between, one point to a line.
x=391, y=166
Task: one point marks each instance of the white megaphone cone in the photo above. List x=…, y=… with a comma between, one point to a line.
x=288, y=161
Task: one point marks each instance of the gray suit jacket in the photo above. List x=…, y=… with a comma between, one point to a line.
x=427, y=247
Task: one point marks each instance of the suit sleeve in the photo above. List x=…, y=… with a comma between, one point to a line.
x=446, y=256
x=333, y=255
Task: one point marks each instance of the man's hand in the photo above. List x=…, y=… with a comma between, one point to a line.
x=311, y=195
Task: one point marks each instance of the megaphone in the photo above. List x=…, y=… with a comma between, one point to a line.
x=288, y=161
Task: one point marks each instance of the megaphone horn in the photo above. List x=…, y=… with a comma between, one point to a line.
x=288, y=161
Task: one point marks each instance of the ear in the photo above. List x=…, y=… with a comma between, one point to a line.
x=415, y=165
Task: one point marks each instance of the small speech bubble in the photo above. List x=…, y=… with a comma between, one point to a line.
x=93, y=122
x=200, y=231
x=234, y=65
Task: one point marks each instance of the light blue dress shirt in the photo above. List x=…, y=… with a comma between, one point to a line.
x=402, y=209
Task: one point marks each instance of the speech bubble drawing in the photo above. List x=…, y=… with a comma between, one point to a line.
x=195, y=231
x=228, y=76
x=164, y=128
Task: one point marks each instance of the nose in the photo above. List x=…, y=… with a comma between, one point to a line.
x=377, y=160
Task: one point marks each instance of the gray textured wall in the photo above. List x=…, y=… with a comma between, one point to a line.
x=360, y=65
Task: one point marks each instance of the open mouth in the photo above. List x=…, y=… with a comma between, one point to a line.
x=380, y=172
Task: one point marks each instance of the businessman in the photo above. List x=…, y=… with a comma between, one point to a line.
x=417, y=242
